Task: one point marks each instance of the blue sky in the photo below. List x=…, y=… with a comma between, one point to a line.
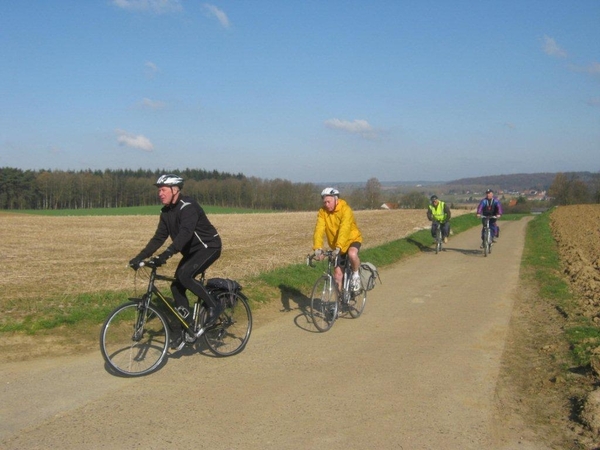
x=307, y=91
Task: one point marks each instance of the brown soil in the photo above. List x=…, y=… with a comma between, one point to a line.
x=539, y=380
x=577, y=232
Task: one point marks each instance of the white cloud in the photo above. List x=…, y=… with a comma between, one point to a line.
x=592, y=69
x=156, y=6
x=150, y=69
x=131, y=140
x=594, y=101
x=219, y=14
x=357, y=126
x=551, y=48
x=153, y=104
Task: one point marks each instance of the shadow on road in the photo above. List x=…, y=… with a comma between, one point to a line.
x=290, y=296
x=425, y=249
x=467, y=252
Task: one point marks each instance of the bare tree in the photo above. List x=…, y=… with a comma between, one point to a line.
x=373, y=193
x=414, y=200
x=567, y=189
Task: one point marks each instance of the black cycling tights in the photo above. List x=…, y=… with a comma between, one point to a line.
x=190, y=266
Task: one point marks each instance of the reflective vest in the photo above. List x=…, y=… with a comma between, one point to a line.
x=438, y=212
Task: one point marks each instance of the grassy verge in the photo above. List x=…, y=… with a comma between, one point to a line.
x=541, y=262
x=35, y=315
x=290, y=283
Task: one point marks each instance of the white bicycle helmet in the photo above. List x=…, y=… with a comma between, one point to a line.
x=169, y=180
x=330, y=191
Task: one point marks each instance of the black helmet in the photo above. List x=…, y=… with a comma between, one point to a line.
x=169, y=180
x=488, y=191
x=433, y=197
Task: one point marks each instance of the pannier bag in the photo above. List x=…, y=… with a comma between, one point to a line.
x=369, y=274
x=224, y=285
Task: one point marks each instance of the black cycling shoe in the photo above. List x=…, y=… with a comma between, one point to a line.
x=178, y=340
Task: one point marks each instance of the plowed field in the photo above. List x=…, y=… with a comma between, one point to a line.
x=577, y=231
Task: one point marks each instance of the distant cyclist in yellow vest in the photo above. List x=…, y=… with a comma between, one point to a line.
x=439, y=214
x=335, y=220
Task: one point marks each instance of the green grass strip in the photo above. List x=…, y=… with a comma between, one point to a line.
x=542, y=262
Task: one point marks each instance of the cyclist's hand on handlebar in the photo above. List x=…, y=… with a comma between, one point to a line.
x=319, y=255
x=336, y=252
x=134, y=263
x=161, y=259
x=157, y=261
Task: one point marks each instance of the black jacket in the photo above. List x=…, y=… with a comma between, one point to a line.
x=187, y=225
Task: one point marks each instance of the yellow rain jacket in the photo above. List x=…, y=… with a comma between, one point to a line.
x=339, y=226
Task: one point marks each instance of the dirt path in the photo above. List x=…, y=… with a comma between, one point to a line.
x=417, y=371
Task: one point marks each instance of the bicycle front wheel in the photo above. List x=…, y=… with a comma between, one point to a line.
x=134, y=340
x=487, y=243
x=323, y=304
x=357, y=302
x=231, y=333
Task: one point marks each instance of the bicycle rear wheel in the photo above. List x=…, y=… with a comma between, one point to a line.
x=323, y=304
x=231, y=333
x=134, y=340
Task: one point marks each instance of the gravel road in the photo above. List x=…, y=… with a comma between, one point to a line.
x=417, y=370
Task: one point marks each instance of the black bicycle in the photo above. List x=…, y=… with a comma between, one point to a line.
x=488, y=239
x=135, y=337
x=327, y=302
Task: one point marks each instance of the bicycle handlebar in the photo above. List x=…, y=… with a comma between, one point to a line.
x=150, y=263
x=328, y=254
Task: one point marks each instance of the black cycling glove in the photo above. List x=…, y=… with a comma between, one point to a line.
x=162, y=258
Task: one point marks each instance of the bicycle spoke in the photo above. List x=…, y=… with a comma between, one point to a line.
x=134, y=343
x=323, y=304
x=232, y=331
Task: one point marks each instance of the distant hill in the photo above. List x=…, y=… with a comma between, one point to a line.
x=517, y=182
x=520, y=181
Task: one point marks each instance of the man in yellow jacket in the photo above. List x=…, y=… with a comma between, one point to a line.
x=335, y=219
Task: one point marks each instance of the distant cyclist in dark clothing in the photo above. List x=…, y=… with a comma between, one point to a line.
x=185, y=222
x=490, y=206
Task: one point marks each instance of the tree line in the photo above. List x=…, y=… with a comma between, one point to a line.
x=570, y=189
x=47, y=189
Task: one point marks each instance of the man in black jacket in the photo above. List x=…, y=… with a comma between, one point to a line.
x=185, y=222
